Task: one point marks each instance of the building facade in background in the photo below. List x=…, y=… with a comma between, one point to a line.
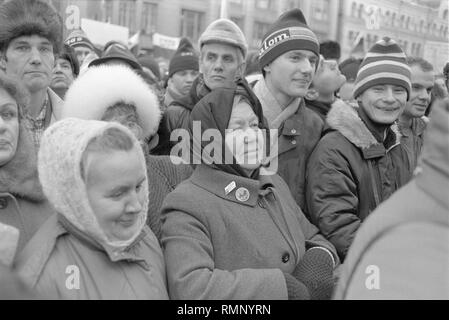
x=420, y=26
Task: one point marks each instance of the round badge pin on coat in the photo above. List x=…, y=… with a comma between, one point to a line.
x=242, y=194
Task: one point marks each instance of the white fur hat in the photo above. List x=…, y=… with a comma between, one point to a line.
x=101, y=87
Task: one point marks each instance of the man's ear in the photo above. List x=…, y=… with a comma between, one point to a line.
x=312, y=94
x=267, y=68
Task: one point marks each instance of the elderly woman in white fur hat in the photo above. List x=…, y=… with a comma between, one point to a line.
x=117, y=93
x=98, y=245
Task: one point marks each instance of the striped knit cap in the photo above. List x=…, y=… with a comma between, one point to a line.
x=288, y=32
x=385, y=63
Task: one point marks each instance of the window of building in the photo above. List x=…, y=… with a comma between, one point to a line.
x=387, y=18
x=393, y=19
x=361, y=11
x=264, y=4
x=407, y=23
x=445, y=14
x=260, y=29
x=354, y=9
x=401, y=21
x=108, y=11
x=192, y=24
x=149, y=17
x=320, y=9
x=127, y=14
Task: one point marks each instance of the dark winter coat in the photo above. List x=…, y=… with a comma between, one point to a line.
x=350, y=173
x=234, y=245
x=297, y=138
x=407, y=237
x=163, y=178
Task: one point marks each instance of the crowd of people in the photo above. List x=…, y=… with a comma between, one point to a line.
x=311, y=170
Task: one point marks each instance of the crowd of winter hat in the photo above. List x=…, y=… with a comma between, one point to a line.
x=384, y=63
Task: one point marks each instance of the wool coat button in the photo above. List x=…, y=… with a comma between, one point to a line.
x=286, y=257
x=293, y=131
x=293, y=141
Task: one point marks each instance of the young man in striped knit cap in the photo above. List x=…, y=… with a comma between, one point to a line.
x=289, y=57
x=359, y=162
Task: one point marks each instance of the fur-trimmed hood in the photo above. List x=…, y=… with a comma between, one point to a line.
x=59, y=164
x=101, y=87
x=345, y=119
x=19, y=176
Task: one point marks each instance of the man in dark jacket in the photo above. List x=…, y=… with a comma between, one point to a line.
x=413, y=122
x=359, y=161
x=289, y=57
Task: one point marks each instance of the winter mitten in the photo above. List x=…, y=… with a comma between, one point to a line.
x=315, y=270
x=296, y=289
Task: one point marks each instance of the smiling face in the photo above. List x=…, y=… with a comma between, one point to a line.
x=244, y=137
x=114, y=183
x=31, y=60
x=221, y=65
x=420, y=96
x=290, y=74
x=383, y=103
x=9, y=127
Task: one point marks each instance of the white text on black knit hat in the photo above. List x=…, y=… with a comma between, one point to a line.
x=289, y=32
x=385, y=63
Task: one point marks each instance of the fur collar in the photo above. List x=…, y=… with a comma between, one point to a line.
x=345, y=119
x=19, y=176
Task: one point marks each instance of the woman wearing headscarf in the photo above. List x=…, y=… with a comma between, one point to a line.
x=23, y=205
x=97, y=246
x=117, y=93
x=231, y=231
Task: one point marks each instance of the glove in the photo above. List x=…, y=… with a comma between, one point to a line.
x=315, y=271
x=296, y=289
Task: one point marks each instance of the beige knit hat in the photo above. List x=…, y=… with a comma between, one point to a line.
x=224, y=31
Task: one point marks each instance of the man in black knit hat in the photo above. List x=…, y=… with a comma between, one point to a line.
x=182, y=70
x=289, y=56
